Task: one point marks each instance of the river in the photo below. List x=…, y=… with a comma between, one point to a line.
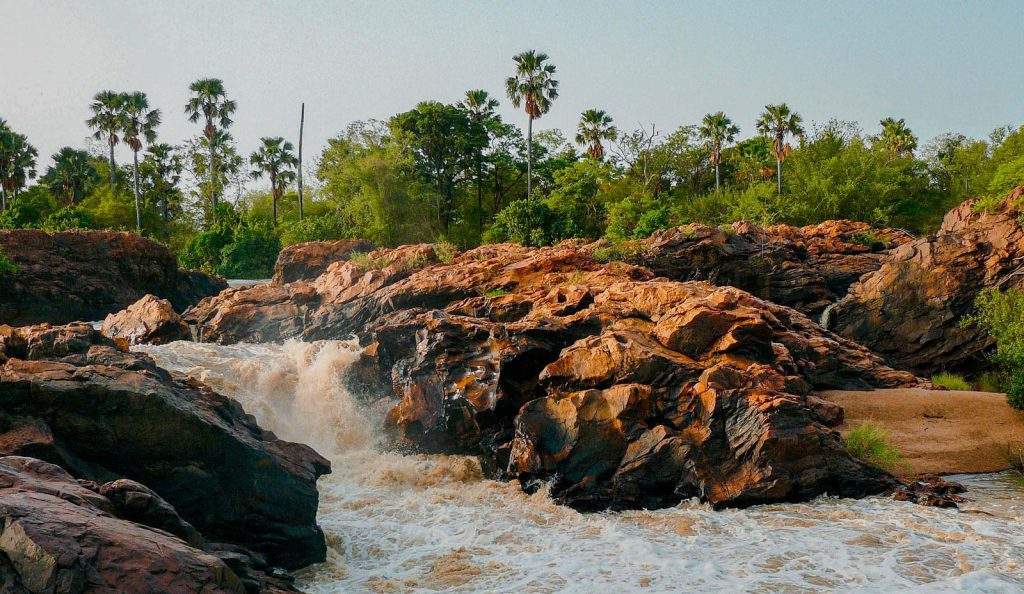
x=408, y=523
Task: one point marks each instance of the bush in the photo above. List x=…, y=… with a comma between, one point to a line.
x=28, y=210
x=445, y=252
x=7, y=268
x=951, y=381
x=251, y=253
x=528, y=222
x=67, y=218
x=319, y=228
x=870, y=443
x=1015, y=390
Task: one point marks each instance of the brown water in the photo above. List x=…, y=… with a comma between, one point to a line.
x=399, y=523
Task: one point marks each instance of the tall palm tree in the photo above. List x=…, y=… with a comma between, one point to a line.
x=108, y=121
x=140, y=124
x=717, y=130
x=595, y=125
x=480, y=106
x=17, y=163
x=776, y=122
x=275, y=159
x=209, y=101
x=897, y=137
x=533, y=86
x=71, y=176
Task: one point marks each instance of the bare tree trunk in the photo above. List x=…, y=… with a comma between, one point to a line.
x=717, y=180
x=3, y=198
x=529, y=157
x=302, y=123
x=138, y=211
x=778, y=170
x=479, y=196
x=113, y=166
x=273, y=197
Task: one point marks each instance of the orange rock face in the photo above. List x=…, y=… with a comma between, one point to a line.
x=910, y=309
x=149, y=320
x=621, y=388
x=306, y=261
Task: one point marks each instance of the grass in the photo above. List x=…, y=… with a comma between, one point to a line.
x=445, y=252
x=495, y=293
x=992, y=381
x=623, y=251
x=951, y=381
x=868, y=239
x=7, y=268
x=870, y=443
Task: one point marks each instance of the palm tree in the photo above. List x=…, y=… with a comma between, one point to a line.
x=595, y=125
x=140, y=124
x=897, y=137
x=276, y=160
x=72, y=175
x=17, y=163
x=534, y=86
x=717, y=130
x=108, y=120
x=776, y=122
x=165, y=167
x=480, y=106
x=209, y=101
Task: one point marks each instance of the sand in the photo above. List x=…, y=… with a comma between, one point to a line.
x=945, y=432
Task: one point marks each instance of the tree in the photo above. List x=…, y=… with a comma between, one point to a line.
x=17, y=163
x=595, y=125
x=140, y=124
x=480, y=106
x=896, y=137
x=275, y=159
x=717, y=130
x=72, y=175
x=776, y=122
x=534, y=87
x=162, y=166
x=108, y=121
x=210, y=103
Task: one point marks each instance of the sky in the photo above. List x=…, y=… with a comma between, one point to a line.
x=942, y=65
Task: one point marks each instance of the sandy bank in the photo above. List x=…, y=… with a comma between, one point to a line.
x=945, y=432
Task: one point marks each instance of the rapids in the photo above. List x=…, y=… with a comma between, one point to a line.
x=407, y=523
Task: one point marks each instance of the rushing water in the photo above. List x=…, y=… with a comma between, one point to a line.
x=401, y=523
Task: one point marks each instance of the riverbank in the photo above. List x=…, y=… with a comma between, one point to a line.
x=937, y=431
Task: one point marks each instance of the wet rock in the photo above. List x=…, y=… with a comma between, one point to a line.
x=306, y=261
x=137, y=503
x=149, y=320
x=911, y=309
x=85, y=275
x=71, y=396
x=931, y=490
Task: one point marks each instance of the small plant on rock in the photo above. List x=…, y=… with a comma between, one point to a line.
x=7, y=268
x=951, y=381
x=870, y=443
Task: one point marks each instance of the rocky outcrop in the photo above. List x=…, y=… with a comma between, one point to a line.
x=61, y=535
x=911, y=309
x=149, y=320
x=306, y=261
x=85, y=275
x=619, y=388
x=70, y=396
x=806, y=268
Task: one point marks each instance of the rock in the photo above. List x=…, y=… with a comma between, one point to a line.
x=931, y=490
x=306, y=261
x=911, y=309
x=57, y=536
x=137, y=503
x=73, y=398
x=149, y=320
x=85, y=275
x=806, y=268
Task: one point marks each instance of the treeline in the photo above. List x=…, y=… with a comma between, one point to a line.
x=458, y=172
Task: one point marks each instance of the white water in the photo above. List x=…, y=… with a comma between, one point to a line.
x=399, y=523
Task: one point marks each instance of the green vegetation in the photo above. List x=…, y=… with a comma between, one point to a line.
x=7, y=268
x=495, y=293
x=951, y=381
x=457, y=172
x=1001, y=314
x=871, y=444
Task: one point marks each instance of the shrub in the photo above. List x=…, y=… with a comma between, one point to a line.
x=495, y=293
x=529, y=222
x=69, y=217
x=870, y=443
x=868, y=239
x=318, y=228
x=1015, y=390
x=7, y=268
x=445, y=252
x=251, y=252
x=622, y=251
x=951, y=381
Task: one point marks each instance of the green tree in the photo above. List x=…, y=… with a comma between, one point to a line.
x=107, y=122
x=480, y=106
x=17, y=163
x=896, y=137
x=209, y=102
x=777, y=122
x=161, y=168
x=595, y=125
x=72, y=175
x=717, y=129
x=534, y=87
x=275, y=159
x=140, y=123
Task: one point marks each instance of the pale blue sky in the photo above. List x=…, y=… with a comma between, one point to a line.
x=943, y=65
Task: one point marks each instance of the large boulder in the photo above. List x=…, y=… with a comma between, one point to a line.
x=306, y=261
x=806, y=268
x=149, y=320
x=621, y=388
x=70, y=396
x=911, y=310
x=85, y=275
